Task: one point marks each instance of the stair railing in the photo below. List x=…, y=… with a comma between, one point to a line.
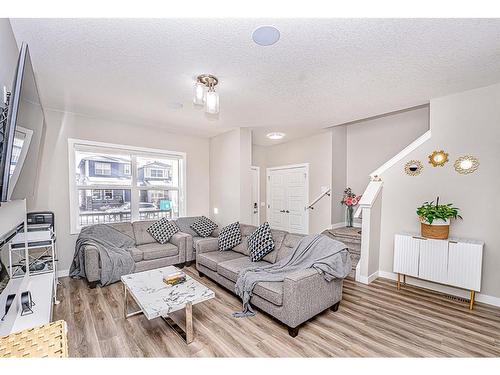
x=327, y=192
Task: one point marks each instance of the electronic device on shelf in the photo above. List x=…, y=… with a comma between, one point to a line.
x=26, y=303
x=8, y=304
x=44, y=220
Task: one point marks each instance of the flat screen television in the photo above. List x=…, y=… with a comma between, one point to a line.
x=21, y=134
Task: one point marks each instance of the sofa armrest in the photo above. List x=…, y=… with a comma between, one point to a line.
x=92, y=263
x=206, y=245
x=306, y=293
x=181, y=240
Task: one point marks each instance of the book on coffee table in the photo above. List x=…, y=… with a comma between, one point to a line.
x=175, y=278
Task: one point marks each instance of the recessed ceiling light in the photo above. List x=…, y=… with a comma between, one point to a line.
x=275, y=135
x=266, y=35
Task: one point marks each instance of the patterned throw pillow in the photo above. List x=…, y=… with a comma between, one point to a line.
x=229, y=236
x=204, y=226
x=260, y=242
x=162, y=230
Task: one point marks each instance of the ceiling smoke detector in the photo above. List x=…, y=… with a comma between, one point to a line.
x=275, y=135
x=266, y=35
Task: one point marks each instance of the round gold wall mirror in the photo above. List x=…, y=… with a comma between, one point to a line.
x=413, y=168
x=466, y=164
x=438, y=158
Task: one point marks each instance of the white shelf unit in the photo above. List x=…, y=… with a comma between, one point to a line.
x=453, y=262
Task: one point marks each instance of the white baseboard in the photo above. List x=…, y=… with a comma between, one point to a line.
x=484, y=298
x=366, y=280
x=62, y=273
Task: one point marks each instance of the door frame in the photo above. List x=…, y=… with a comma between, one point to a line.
x=258, y=192
x=268, y=190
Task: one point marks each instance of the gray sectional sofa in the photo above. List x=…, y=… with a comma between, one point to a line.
x=147, y=253
x=301, y=296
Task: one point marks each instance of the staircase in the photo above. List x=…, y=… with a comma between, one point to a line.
x=351, y=236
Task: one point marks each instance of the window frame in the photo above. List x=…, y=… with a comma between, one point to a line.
x=75, y=145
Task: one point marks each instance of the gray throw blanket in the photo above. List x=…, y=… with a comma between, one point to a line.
x=330, y=257
x=113, y=247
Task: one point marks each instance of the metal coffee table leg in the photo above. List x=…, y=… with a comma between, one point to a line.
x=183, y=327
x=125, y=305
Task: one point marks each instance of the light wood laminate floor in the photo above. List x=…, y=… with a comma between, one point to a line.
x=372, y=321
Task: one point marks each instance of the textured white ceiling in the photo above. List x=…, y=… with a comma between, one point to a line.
x=321, y=72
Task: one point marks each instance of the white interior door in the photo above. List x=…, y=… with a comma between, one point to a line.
x=255, y=209
x=287, y=198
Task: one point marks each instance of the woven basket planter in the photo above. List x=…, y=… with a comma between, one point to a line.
x=438, y=230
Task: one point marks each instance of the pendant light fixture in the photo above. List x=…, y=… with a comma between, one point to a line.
x=204, y=93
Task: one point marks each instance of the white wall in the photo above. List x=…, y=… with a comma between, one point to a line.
x=53, y=189
x=230, y=178
x=371, y=143
x=315, y=150
x=464, y=123
x=339, y=172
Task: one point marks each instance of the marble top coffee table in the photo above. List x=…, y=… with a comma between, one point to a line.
x=157, y=299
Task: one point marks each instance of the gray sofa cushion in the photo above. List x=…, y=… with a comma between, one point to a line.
x=289, y=243
x=136, y=254
x=246, y=230
x=184, y=224
x=125, y=228
x=141, y=232
x=157, y=250
x=211, y=259
x=270, y=291
x=230, y=268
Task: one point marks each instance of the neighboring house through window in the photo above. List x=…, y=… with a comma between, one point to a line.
x=104, y=189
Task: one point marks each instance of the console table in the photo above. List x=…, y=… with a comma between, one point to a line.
x=454, y=262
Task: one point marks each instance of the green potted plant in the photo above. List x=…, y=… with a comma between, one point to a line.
x=435, y=219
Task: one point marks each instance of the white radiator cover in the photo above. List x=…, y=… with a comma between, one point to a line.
x=453, y=262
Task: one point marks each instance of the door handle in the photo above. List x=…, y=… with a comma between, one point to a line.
x=282, y=211
x=287, y=211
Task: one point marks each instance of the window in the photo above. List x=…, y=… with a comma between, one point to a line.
x=103, y=188
x=108, y=194
x=156, y=173
x=103, y=169
x=97, y=195
x=126, y=169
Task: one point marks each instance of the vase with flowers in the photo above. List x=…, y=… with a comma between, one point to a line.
x=350, y=200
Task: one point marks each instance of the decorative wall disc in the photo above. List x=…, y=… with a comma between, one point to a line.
x=466, y=164
x=413, y=168
x=438, y=158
